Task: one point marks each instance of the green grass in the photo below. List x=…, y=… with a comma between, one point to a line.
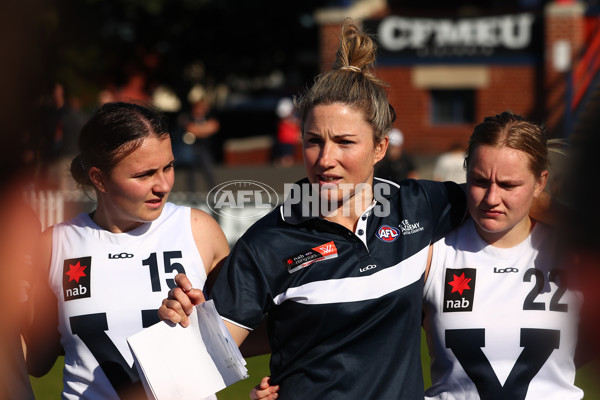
x=49, y=386
x=258, y=367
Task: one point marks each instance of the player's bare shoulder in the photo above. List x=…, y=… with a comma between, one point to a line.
x=209, y=237
x=203, y=222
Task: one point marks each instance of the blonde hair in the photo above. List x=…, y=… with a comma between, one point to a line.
x=513, y=131
x=352, y=82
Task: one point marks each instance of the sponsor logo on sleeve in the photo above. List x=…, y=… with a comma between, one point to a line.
x=304, y=259
x=76, y=278
x=408, y=228
x=459, y=289
x=387, y=233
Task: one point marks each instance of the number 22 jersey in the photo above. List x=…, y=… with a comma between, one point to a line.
x=500, y=322
x=110, y=286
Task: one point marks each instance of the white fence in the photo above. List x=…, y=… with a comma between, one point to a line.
x=48, y=205
x=53, y=207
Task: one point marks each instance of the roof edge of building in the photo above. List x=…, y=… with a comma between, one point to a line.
x=565, y=10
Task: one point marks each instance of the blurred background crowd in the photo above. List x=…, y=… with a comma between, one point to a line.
x=230, y=60
x=223, y=72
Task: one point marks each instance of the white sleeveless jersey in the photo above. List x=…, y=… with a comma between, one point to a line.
x=110, y=286
x=500, y=323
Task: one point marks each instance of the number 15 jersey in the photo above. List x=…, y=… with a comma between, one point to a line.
x=500, y=322
x=110, y=286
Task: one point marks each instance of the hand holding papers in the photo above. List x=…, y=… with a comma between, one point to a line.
x=193, y=362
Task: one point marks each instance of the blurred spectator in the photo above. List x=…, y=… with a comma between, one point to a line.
x=71, y=120
x=59, y=123
x=197, y=125
x=396, y=165
x=106, y=95
x=134, y=89
x=288, y=133
x=450, y=165
x=49, y=131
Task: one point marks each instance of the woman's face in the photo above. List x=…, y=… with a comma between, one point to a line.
x=500, y=190
x=339, y=150
x=136, y=189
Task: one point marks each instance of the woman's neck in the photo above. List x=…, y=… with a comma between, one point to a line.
x=349, y=222
x=105, y=220
x=510, y=238
x=348, y=213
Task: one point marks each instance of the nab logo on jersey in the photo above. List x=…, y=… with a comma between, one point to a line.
x=387, y=233
x=459, y=289
x=77, y=273
x=303, y=259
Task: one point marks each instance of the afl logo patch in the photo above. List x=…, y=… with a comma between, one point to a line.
x=388, y=233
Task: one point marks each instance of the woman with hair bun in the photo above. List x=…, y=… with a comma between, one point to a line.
x=130, y=247
x=337, y=270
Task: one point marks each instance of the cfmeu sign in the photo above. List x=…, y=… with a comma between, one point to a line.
x=447, y=37
x=242, y=199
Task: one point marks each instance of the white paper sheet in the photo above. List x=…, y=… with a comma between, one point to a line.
x=184, y=363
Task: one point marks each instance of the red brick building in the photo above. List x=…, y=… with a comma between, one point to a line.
x=449, y=68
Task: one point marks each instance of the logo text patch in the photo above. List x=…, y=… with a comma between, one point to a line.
x=387, y=233
x=459, y=289
x=77, y=273
x=306, y=258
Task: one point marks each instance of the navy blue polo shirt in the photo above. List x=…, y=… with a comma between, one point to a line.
x=343, y=308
